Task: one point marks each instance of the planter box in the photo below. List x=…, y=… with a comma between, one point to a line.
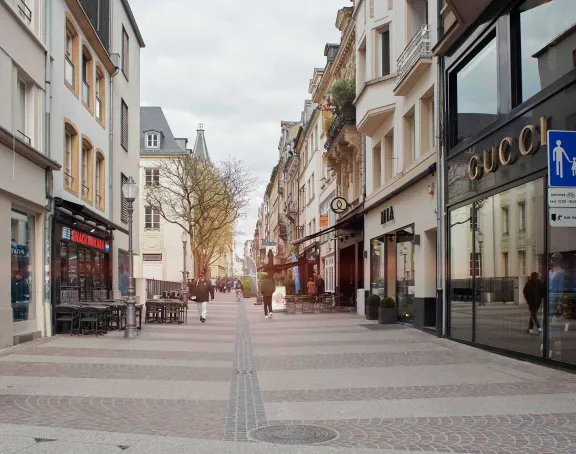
x=387, y=315
x=371, y=312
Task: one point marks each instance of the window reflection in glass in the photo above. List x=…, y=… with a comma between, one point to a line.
x=21, y=229
x=547, y=41
x=461, y=295
x=477, y=92
x=378, y=264
x=509, y=302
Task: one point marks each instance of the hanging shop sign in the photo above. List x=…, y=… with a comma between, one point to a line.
x=324, y=220
x=387, y=215
x=339, y=205
x=84, y=239
x=507, y=152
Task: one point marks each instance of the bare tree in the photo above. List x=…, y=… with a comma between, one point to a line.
x=204, y=199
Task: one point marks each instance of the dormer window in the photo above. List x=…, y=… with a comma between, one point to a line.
x=152, y=140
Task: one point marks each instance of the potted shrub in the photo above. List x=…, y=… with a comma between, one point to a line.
x=372, y=305
x=290, y=286
x=246, y=292
x=387, y=312
x=343, y=93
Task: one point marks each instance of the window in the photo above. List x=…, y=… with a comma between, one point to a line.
x=409, y=124
x=312, y=189
x=152, y=177
x=125, y=52
x=100, y=95
x=475, y=264
x=385, y=43
x=22, y=112
x=124, y=203
x=67, y=158
x=522, y=263
x=544, y=31
x=124, y=125
x=522, y=215
x=151, y=219
x=71, y=56
x=71, y=146
x=87, y=78
x=361, y=70
x=505, y=221
x=376, y=166
x=22, y=266
x=153, y=140
x=329, y=280
x=86, y=167
x=100, y=183
x=477, y=92
x=389, y=158
x=426, y=124
x=505, y=264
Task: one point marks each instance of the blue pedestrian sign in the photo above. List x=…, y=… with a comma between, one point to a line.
x=562, y=159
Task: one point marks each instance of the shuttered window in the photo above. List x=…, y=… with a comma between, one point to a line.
x=125, y=52
x=124, y=120
x=124, y=204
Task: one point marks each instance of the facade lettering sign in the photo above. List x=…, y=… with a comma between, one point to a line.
x=508, y=151
x=86, y=240
x=387, y=215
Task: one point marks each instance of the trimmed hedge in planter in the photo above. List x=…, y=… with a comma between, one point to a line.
x=372, y=304
x=387, y=312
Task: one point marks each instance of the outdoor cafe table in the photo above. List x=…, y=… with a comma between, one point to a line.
x=162, y=311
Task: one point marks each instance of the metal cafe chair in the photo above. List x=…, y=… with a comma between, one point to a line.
x=172, y=313
x=66, y=314
x=93, y=317
x=153, y=312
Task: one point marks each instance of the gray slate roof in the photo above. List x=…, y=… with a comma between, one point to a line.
x=200, y=147
x=153, y=119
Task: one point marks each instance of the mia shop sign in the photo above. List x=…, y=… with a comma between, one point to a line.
x=387, y=215
x=508, y=151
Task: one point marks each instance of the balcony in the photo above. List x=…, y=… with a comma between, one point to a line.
x=345, y=117
x=291, y=210
x=69, y=72
x=85, y=93
x=413, y=61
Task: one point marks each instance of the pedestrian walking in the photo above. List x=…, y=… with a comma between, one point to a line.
x=311, y=287
x=320, y=286
x=239, y=287
x=534, y=293
x=267, y=288
x=229, y=285
x=203, y=292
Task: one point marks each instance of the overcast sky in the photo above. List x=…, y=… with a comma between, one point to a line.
x=237, y=67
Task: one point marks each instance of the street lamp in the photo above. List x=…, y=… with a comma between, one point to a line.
x=130, y=192
x=184, y=238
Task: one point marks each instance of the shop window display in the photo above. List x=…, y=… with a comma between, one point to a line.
x=22, y=227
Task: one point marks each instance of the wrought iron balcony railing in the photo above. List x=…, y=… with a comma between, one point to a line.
x=418, y=47
x=23, y=137
x=25, y=12
x=346, y=116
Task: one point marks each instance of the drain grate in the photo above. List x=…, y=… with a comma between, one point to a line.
x=293, y=434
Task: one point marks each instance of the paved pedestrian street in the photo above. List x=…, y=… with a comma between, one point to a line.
x=340, y=386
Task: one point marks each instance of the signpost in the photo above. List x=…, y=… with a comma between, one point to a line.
x=562, y=178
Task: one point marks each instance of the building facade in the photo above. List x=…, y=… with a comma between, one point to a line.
x=509, y=78
x=26, y=177
x=161, y=245
x=95, y=127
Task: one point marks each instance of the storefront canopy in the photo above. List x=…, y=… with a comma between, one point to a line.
x=88, y=215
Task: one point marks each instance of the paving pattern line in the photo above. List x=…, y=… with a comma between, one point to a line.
x=245, y=406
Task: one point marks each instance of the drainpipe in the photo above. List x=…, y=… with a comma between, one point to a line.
x=440, y=189
x=46, y=305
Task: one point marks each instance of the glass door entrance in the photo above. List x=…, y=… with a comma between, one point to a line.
x=405, y=288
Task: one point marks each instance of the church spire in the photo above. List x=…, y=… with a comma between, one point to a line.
x=200, y=148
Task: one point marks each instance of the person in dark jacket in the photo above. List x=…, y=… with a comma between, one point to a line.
x=320, y=286
x=267, y=288
x=534, y=293
x=203, y=292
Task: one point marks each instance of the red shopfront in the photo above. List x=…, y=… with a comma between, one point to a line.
x=82, y=265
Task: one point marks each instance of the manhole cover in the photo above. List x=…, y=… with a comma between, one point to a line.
x=293, y=435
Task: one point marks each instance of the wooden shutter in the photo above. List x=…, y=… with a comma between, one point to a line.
x=385, y=52
x=125, y=52
x=124, y=204
x=124, y=120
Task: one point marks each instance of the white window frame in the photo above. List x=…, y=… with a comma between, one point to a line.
x=151, y=218
x=152, y=176
x=505, y=221
x=329, y=274
x=22, y=107
x=522, y=216
x=152, y=140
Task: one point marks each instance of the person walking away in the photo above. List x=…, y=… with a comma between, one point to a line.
x=239, y=290
x=534, y=293
x=203, y=292
x=311, y=287
x=267, y=288
x=320, y=286
x=229, y=285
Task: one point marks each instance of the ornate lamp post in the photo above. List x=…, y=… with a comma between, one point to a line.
x=184, y=238
x=130, y=192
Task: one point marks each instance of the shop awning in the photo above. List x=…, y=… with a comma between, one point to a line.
x=282, y=266
x=88, y=214
x=330, y=229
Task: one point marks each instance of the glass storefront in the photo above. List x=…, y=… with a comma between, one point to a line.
x=22, y=254
x=392, y=270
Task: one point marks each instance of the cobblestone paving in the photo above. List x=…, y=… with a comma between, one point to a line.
x=519, y=434
x=225, y=400
x=347, y=360
x=422, y=392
